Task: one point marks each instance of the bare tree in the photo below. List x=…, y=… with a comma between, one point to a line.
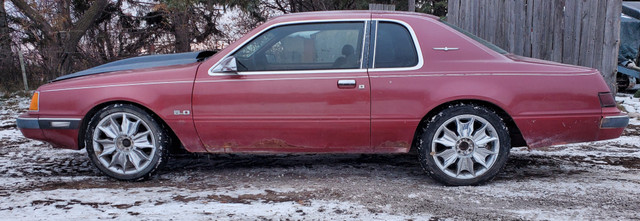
x=195, y=21
x=61, y=34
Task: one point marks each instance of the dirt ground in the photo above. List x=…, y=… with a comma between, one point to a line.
x=586, y=181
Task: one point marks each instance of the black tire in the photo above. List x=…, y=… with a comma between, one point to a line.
x=449, y=164
x=147, y=143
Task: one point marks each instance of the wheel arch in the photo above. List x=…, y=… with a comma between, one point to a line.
x=87, y=118
x=514, y=132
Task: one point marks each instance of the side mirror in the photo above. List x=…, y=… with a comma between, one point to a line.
x=227, y=65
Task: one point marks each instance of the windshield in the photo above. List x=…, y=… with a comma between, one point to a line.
x=478, y=39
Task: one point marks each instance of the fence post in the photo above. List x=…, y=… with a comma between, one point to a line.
x=24, y=72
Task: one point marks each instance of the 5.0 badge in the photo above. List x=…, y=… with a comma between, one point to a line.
x=183, y=112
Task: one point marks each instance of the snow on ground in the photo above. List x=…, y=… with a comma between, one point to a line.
x=163, y=203
x=631, y=105
x=585, y=181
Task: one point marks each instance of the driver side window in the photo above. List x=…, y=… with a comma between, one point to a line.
x=314, y=46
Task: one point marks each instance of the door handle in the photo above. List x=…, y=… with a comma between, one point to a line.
x=346, y=83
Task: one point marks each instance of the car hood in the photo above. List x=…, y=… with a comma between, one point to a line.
x=141, y=62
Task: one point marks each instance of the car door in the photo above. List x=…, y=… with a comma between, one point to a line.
x=397, y=100
x=298, y=88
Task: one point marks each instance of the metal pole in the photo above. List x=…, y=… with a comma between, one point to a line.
x=412, y=5
x=24, y=72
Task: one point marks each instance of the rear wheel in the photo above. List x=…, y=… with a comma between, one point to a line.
x=464, y=145
x=126, y=143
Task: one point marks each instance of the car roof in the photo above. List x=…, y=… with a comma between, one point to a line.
x=362, y=14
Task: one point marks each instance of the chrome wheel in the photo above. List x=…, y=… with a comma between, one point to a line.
x=465, y=146
x=123, y=143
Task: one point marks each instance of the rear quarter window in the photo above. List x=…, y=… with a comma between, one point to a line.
x=394, y=47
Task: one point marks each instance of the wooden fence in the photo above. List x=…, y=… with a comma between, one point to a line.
x=580, y=32
x=384, y=7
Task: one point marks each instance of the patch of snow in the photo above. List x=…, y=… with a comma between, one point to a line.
x=631, y=105
x=173, y=203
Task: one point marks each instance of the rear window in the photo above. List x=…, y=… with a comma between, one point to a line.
x=476, y=38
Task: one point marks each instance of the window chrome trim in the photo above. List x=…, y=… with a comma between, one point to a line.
x=375, y=46
x=364, y=43
x=211, y=73
x=313, y=71
x=371, y=43
x=416, y=44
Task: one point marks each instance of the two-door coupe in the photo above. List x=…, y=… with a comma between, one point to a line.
x=328, y=82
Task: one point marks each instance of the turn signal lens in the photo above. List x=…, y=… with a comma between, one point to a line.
x=35, y=102
x=606, y=99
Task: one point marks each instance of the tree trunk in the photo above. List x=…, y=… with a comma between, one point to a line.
x=77, y=31
x=5, y=38
x=181, y=31
x=6, y=56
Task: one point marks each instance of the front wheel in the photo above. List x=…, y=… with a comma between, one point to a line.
x=464, y=145
x=125, y=142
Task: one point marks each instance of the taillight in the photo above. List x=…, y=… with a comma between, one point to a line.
x=35, y=102
x=606, y=99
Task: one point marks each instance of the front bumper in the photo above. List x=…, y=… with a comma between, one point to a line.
x=48, y=123
x=59, y=132
x=612, y=122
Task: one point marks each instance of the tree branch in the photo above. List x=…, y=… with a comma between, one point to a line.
x=86, y=21
x=79, y=29
x=36, y=17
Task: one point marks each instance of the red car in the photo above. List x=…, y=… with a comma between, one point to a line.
x=328, y=82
